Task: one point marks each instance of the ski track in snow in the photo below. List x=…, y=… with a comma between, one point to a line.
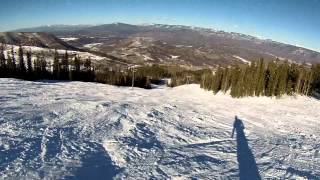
x=76, y=130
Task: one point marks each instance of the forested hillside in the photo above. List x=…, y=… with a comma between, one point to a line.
x=264, y=79
x=259, y=78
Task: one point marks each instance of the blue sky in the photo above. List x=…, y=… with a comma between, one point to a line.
x=291, y=21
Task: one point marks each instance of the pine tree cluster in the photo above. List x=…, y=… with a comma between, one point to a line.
x=37, y=67
x=73, y=68
x=275, y=78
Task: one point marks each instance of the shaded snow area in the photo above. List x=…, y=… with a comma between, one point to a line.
x=76, y=130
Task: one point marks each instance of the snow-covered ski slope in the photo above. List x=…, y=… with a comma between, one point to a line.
x=77, y=130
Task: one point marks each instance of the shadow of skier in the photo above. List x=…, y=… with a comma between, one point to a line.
x=248, y=169
x=96, y=164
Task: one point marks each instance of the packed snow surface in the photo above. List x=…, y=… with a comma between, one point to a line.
x=174, y=57
x=76, y=130
x=69, y=38
x=92, y=45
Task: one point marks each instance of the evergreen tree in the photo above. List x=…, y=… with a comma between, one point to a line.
x=89, y=73
x=282, y=77
x=315, y=85
x=216, y=87
x=3, y=66
x=56, y=65
x=235, y=78
x=207, y=80
x=43, y=67
x=37, y=67
x=40, y=67
x=13, y=65
x=87, y=64
x=226, y=80
x=77, y=63
x=10, y=65
x=2, y=57
x=279, y=78
x=65, y=67
x=293, y=73
x=29, y=64
x=271, y=79
x=250, y=79
x=22, y=66
x=76, y=74
x=241, y=83
x=299, y=82
x=261, y=80
x=307, y=82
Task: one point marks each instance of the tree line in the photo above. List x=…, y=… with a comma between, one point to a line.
x=259, y=78
x=25, y=66
x=143, y=76
x=275, y=78
x=28, y=66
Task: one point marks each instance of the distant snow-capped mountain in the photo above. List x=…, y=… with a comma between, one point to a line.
x=53, y=28
x=193, y=45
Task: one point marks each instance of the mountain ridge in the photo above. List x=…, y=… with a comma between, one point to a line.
x=66, y=28
x=156, y=43
x=39, y=39
x=51, y=28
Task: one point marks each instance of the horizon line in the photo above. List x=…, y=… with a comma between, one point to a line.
x=150, y=24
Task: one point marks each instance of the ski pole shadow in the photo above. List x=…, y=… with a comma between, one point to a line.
x=248, y=169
